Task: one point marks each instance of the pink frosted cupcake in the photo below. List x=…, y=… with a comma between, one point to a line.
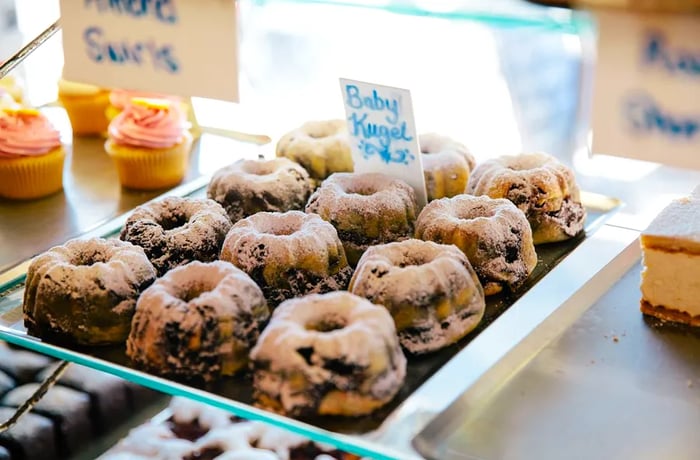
x=149, y=144
x=31, y=155
x=120, y=98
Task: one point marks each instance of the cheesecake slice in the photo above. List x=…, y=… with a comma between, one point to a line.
x=671, y=263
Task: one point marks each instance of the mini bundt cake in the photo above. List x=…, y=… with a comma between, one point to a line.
x=321, y=147
x=430, y=289
x=174, y=231
x=493, y=234
x=366, y=209
x=540, y=186
x=447, y=165
x=199, y=320
x=250, y=186
x=288, y=254
x=328, y=354
x=85, y=291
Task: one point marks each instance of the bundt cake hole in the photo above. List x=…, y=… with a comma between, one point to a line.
x=173, y=221
x=283, y=227
x=475, y=212
x=327, y=323
x=364, y=191
x=193, y=291
x=414, y=260
x=317, y=133
x=258, y=168
x=89, y=257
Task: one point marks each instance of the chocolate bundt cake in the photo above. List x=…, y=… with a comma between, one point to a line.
x=540, y=186
x=328, y=354
x=366, y=209
x=493, y=234
x=198, y=321
x=430, y=289
x=288, y=254
x=85, y=291
x=174, y=231
x=250, y=186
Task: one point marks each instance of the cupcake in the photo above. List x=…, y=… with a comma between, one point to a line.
x=85, y=105
x=120, y=98
x=31, y=155
x=149, y=144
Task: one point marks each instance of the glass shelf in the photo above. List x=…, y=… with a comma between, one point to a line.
x=235, y=395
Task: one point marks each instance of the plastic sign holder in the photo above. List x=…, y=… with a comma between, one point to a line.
x=646, y=102
x=383, y=134
x=182, y=47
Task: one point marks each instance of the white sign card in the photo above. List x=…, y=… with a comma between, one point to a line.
x=181, y=47
x=383, y=133
x=646, y=102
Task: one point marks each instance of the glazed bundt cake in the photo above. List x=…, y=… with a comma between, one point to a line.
x=250, y=186
x=174, y=231
x=493, y=234
x=198, y=321
x=288, y=254
x=366, y=209
x=85, y=291
x=540, y=186
x=321, y=147
x=430, y=289
x=447, y=165
x=334, y=354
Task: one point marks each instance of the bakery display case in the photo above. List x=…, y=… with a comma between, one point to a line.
x=568, y=352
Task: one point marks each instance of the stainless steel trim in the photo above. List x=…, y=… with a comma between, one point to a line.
x=508, y=341
x=16, y=59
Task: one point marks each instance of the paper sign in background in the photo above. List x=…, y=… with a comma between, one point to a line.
x=646, y=102
x=183, y=47
x=383, y=133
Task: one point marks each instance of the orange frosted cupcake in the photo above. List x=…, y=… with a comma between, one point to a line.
x=31, y=155
x=85, y=106
x=149, y=144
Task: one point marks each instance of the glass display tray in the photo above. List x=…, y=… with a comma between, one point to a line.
x=235, y=395
x=604, y=381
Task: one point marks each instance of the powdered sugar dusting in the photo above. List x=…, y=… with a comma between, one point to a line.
x=493, y=234
x=288, y=254
x=174, y=231
x=359, y=356
x=199, y=320
x=250, y=186
x=539, y=185
x=70, y=286
x=430, y=289
x=366, y=209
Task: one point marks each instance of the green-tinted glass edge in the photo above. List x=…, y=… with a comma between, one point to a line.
x=573, y=24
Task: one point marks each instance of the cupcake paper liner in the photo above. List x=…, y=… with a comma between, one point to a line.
x=30, y=177
x=150, y=169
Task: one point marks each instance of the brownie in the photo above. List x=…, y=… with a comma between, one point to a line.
x=109, y=395
x=67, y=408
x=22, y=365
x=6, y=384
x=32, y=438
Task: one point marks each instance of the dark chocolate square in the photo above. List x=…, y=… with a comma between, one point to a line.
x=32, y=438
x=22, y=365
x=67, y=408
x=109, y=401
